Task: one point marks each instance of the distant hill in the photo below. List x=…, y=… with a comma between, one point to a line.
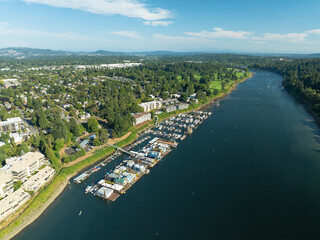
x=107, y=53
x=21, y=52
x=314, y=55
x=31, y=52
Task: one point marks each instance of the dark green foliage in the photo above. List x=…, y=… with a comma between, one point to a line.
x=74, y=156
x=17, y=185
x=301, y=77
x=93, y=125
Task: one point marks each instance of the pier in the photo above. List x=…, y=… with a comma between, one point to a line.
x=122, y=150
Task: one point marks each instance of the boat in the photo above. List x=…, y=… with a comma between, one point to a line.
x=88, y=189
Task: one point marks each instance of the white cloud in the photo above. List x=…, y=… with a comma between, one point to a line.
x=158, y=23
x=221, y=33
x=314, y=31
x=289, y=37
x=128, y=8
x=129, y=34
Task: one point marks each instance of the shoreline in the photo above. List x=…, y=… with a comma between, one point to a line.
x=35, y=214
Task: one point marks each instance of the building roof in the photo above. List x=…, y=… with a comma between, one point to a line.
x=5, y=177
x=25, y=161
x=11, y=121
x=141, y=114
x=104, y=191
x=84, y=143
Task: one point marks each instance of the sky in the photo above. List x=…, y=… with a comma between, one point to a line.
x=247, y=26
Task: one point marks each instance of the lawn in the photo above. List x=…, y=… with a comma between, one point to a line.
x=215, y=85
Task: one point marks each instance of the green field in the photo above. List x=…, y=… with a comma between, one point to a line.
x=215, y=85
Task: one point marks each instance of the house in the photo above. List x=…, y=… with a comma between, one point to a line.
x=139, y=167
x=7, y=105
x=92, y=137
x=85, y=115
x=104, y=192
x=149, y=106
x=141, y=118
x=84, y=143
x=11, y=125
x=13, y=82
x=17, y=137
x=130, y=164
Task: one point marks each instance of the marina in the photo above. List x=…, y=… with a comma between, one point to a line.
x=155, y=144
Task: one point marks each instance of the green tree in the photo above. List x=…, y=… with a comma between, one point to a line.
x=103, y=135
x=96, y=142
x=58, y=144
x=93, y=125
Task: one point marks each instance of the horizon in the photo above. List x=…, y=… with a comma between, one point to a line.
x=286, y=27
x=164, y=51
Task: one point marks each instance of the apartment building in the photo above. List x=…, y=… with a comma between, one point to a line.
x=26, y=165
x=11, y=125
x=149, y=106
x=6, y=184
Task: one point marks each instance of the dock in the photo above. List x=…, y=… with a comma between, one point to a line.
x=166, y=136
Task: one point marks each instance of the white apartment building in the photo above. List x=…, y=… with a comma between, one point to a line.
x=26, y=165
x=11, y=125
x=12, y=203
x=149, y=106
x=38, y=180
x=141, y=117
x=171, y=108
x=6, y=183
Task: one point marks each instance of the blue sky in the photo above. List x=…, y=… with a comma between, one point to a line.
x=277, y=26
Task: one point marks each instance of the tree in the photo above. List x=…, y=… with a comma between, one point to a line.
x=103, y=135
x=96, y=142
x=42, y=120
x=184, y=97
x=74, y=127
x=58, y=144
x=93, y=125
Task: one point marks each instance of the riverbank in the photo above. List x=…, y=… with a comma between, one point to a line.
x=56, y=187
x=307, y=106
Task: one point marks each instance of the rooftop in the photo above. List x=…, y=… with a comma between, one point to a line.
x=5, y=177
x=141, y=114
x=25, y=161
x=11, y=120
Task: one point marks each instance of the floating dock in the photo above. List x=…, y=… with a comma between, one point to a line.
x=164, y=140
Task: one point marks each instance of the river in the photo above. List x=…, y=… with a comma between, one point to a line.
x=251, y=171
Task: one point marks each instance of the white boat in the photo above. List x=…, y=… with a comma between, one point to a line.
x=88, y=189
